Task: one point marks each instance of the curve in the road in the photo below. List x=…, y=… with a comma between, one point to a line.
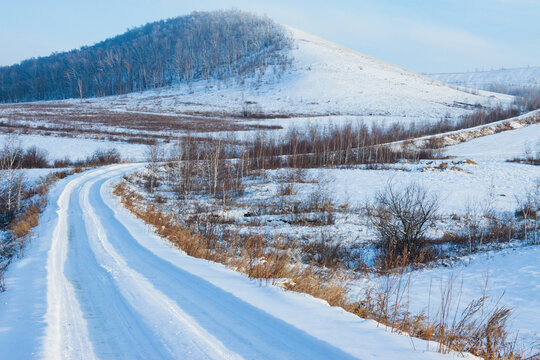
x=99, y=285
x=118, y=300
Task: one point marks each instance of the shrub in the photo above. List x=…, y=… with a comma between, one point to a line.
x=104, y=157
x=34, y=157
x=14, y=156
x=401, y=218
x=62, y=163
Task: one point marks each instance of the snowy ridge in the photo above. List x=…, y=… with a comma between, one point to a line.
x=464, y=135
x=512, y=78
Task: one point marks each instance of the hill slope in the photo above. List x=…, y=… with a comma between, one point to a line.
x=325, y=79
x=203, y=45
x=235, y=63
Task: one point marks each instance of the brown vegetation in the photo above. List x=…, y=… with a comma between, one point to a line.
x=274, y=261
x=530, y=156
x=18, y=223
x=71, y=120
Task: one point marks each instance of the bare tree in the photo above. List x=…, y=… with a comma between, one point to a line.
x=80, y=88
x=219, y=45
x=10, y=163
x=401, y=218
x=154, y=155
x=528, y=208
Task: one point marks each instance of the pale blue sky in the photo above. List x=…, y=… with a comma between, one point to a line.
x=421, y=35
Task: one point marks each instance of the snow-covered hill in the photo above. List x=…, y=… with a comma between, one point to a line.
x=511, y=78
x=325, y=79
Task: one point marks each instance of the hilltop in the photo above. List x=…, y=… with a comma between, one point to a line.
x=204, y=45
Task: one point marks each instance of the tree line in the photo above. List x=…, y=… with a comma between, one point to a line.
x=222, y=45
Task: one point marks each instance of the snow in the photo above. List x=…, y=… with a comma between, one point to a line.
x=502, y=146
x=326, y=79
x=62, y=305
x=58, y=148
x=31, y=176
x=491, y=179
x=512, y=78
x=97, y=283
x=512, y=276
x=457, y=189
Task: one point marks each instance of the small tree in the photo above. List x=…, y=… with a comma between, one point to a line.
x=104, y=157
x=154, y=155
x=401, y=218
x=10, y=161
x=528, y=208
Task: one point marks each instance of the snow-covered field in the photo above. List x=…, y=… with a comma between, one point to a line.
x=510, y=277
x=59, y=148
x=476, y=176
x=173, y=304
x=87, y=245
x=31, y=176
x=499, y=147
x=513, y=274
x=491, y=178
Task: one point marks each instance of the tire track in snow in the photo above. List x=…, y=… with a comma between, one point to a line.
x=248, y=330
x=115, y=329
x=115, y=291
x=66, y=334
x=180, y=334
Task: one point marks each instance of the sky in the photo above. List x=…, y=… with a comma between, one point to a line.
x=421, y=35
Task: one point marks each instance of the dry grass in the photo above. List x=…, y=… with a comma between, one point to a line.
x=477, y=329
x=22, y=226
x=72, y=120
x=19, y=229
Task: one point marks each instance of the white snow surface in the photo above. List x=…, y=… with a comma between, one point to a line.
x=492, y=179
x=513, y=280
x=30, y=176
x=503, y=146
x=508, y=277
x=77, y=148
x=512, y=78
x=97, y=283
x=513, y=274
x=325, y=79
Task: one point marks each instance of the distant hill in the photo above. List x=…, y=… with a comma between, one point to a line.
x=325, y=79
x=495, y=80
x=204, y=45
x=230, y=62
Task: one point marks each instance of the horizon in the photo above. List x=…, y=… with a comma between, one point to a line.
x=423, y=37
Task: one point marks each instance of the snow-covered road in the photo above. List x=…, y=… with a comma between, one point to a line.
x=96, y=283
